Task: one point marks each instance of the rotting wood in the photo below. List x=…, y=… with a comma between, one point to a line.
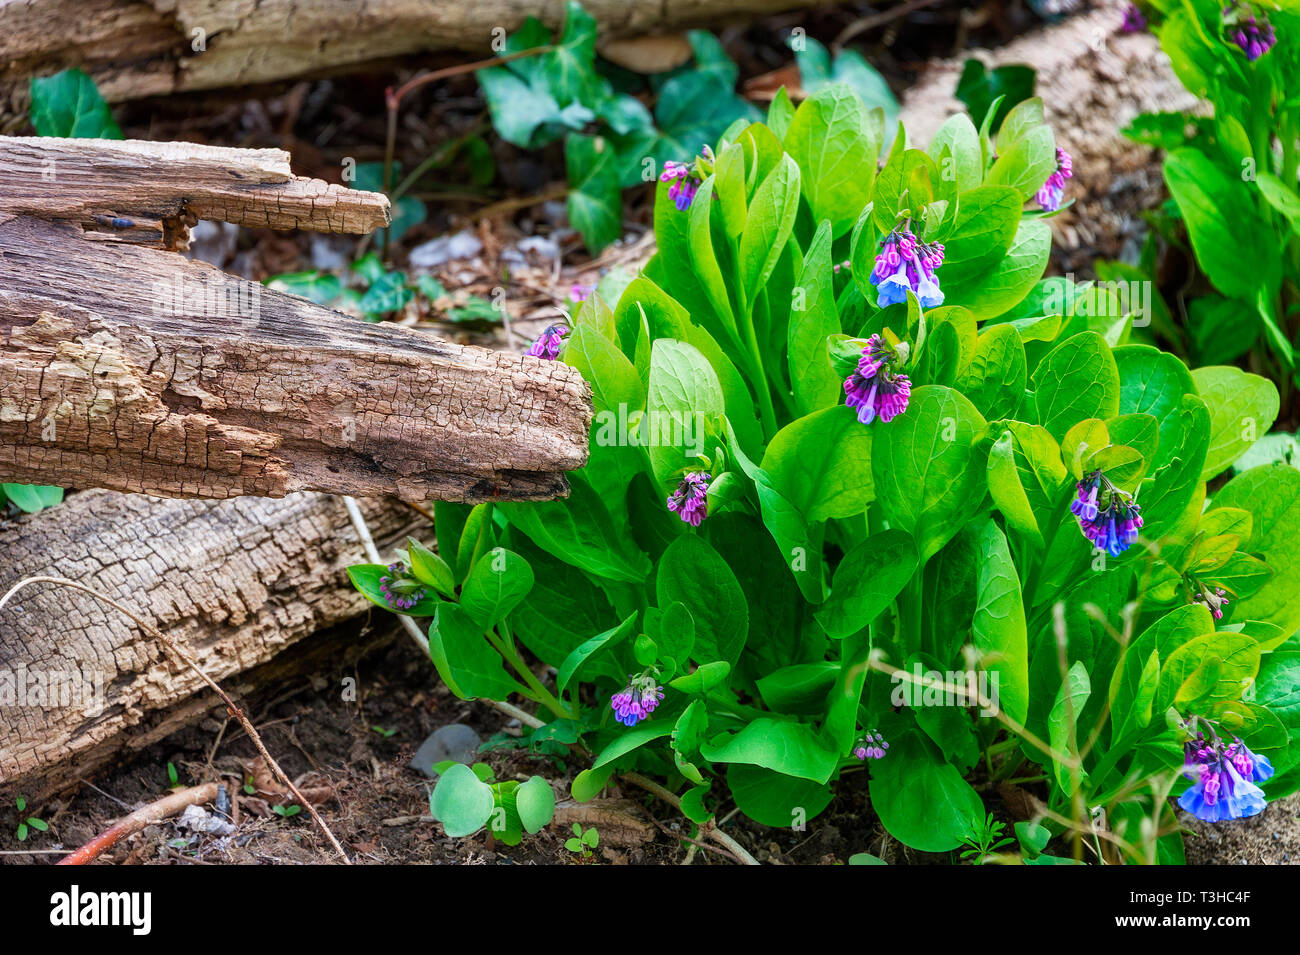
x=231, y=582
x=138, y=48
x=131, y=368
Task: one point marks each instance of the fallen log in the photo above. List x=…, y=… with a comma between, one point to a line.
x=138, y=48
x=128, y=367
x=233, y=583
x=1093, y=80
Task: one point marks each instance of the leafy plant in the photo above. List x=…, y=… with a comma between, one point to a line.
x=987, y=841
x=468, y=798
x=865, y=489
x=31, y=822
x=1232, y=176
x=286, y=812
x=582, y=841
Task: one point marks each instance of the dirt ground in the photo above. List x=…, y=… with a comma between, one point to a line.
x=355, y=754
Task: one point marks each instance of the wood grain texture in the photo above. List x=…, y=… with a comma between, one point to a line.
x=81, y=179
x=232, y=582
x=134, y=369
x=137, y=48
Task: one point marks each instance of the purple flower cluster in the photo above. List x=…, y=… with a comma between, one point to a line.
x=691, y=499
x=1107, y=516
x=1135, y=20
x=1253, y=35
x=684, y=183
x=874, y=388
x=548, y=343
x=1051, y=192
x=1216, y=598
x=637, y=700
x=871, y=746
x=905, y=264
x=400, y=588
x=1223, y=779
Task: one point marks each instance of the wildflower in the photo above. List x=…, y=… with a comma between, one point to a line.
x=580, y=293
x=400, y=588
x=871, y=746
x=1135, y=20
x=691, y=499
x=874, y=388
x=686, y=178
x=637, y=700
x=1052, y=191
x=1107, y=516
x=1215, y=598
x=905, y=264
x=1254, y=36
x=548, y=342
x=1223, y=778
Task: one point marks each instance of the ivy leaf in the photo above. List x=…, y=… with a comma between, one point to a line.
x=68, y=104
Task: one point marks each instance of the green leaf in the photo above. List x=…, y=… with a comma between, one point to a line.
x=999, y=624
x=1211, y=202
x=978, y=87
x=1015, y=275
x=499, y=580
x=1154, y=382
x=535, y=803
x=573, y=662
x=1008, y=492
x=691, y=572
x=467, y=663
x=814, y=319
x=1077, y=380
x=1242, y=407
x=768, y=228
x=31, y=498
x=1213, y=667
x=365, y=577
x=836, y=153
x=430, y=569
x=774, y=799
x=595, y=202
x=322, y=288
x=995, y=379
x=461, y=801
x=928, y=473
x=389, y=293
x=821, y=464
x=789, y=748
x=921, y=799
x=867, y=580
x=633, y=739
x=579, y=532
x=1272, y=495
x=68, y=104
x=1063, y=721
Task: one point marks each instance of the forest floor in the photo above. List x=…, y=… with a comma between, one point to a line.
x=379, y=806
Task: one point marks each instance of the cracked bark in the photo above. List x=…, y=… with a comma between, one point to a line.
x=128, y=367
x=137, y=48
x=232, y=582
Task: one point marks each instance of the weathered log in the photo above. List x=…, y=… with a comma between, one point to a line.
x=1093, y=80
x=231, y=582
x=137, y=48
x=132, y=368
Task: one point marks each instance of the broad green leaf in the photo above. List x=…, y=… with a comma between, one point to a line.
x=495, y=586
x=821, y=464
x=691, y=571
x=830, y=141
x=1242, y=407
x=461, y=801
x=793, y=749
x=1077, y=380
x=929, y=475
x=867, y=580
x=68, y=104
x=999, y=624
x=921, y=799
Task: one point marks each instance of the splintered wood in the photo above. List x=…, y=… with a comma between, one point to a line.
x=126, y=366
